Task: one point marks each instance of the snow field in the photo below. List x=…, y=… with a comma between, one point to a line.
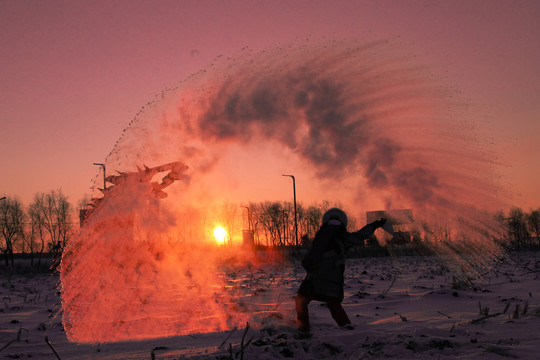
x=401, y=307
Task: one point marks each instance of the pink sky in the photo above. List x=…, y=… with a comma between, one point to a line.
x=74, y=73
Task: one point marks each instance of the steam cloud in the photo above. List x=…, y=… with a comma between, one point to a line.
x=353, y=113
x=359, y=118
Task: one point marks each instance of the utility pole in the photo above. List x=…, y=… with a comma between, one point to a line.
x=104, y=176
x=295, y=215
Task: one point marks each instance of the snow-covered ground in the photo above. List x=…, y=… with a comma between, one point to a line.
x=401, y=307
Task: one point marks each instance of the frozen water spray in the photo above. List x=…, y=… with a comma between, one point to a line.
x=362, y=122
x=126, y=275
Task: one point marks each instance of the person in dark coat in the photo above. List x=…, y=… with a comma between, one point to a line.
x=325, y=266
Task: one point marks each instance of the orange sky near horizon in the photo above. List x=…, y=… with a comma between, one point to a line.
x=74, y=74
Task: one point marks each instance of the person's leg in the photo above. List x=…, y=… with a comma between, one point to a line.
x=302, y=313
x=337, y=311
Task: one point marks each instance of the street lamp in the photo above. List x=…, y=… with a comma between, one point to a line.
x=249, y=217
x=104, y=176
x=295, y=216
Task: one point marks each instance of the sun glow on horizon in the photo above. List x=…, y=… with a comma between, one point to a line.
x=220, y=234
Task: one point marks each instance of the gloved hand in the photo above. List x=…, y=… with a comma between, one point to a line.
x=378, y=223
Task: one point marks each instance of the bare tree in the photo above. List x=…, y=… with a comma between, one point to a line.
x=274, y=221
x=533, y=220
x=50, y=214
x=254, y=222
x=309, y=220
x=270, y=217
x=11, y=226
x=502, y=223
x=517, y=226
x=37, y=229
x=30, y=238
x=231, y=219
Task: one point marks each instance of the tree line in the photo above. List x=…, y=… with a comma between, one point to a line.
x=272, y=223
x=43, y=227
x=47, y=223
x=522, y=228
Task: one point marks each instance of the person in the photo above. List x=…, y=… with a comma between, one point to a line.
x=325, y=266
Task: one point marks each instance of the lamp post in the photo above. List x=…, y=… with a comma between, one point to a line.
x=249, y=217
x=248, y=235
x=104, y=176
x=295, y=216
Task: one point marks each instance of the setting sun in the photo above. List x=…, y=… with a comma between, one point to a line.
x=220, y=234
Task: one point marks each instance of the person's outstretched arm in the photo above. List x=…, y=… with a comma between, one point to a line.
x=358, y=237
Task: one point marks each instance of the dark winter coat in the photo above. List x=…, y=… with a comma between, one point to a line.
x=325, y=262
